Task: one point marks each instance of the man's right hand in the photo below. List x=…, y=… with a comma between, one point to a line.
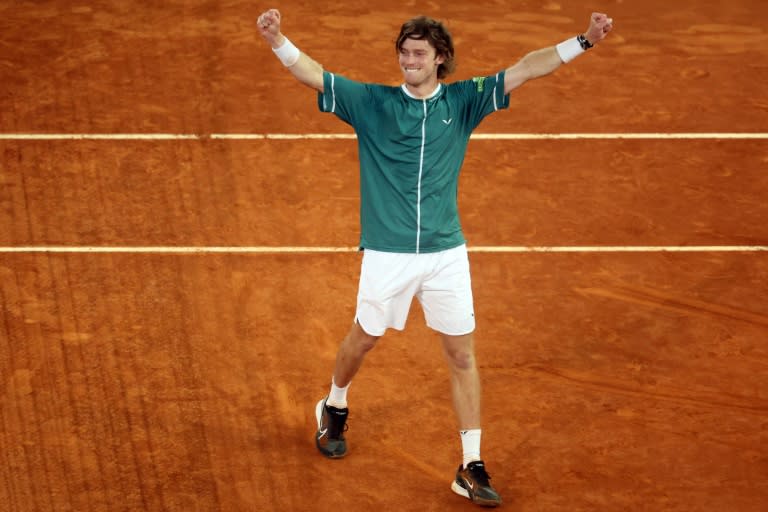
x=269, y=27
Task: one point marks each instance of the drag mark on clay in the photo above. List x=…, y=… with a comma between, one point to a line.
x=725, y=401
x=428, y=469
x=659, y=299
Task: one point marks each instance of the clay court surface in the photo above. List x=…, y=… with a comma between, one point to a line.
x=168, y=379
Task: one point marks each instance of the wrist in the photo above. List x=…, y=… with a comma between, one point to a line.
x=278, y=41
x=286, y=52
x=572, y=48
x=584, y=42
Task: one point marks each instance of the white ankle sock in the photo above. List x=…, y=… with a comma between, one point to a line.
x=470, y=444
x=338, y=396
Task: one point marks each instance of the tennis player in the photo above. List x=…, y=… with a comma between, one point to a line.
x=411, y=143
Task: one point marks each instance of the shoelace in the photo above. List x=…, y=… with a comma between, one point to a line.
x=334, y=430
x=479, y=474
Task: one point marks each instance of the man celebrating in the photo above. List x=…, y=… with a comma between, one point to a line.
x=411, y=143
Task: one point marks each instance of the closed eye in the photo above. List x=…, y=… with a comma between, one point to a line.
x=417, y=53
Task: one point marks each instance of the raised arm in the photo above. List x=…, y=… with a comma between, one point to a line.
x=543, y=62
x=301, y=65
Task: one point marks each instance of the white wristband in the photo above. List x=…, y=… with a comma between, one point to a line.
x=287, y=53
x=569, y=49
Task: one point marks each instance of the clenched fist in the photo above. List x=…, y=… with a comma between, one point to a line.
x=269, y=26
x=599, y=26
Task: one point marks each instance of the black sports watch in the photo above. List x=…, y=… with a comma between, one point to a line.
x=583, y=42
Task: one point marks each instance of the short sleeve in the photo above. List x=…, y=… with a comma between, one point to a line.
x=342, y=96
x=482, y=95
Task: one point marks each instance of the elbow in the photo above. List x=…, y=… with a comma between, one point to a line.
x=316, y=81
x=528, y=68
x=541, y=63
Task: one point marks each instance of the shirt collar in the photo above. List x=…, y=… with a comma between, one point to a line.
x=434, y=93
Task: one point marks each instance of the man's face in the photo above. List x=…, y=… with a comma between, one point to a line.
x=418, y=61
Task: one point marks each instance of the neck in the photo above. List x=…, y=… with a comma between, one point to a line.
x=423, y=90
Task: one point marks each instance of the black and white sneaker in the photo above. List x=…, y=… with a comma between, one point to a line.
x=473, y=482
x=331, y=424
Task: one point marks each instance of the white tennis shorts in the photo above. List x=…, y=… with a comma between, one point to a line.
x=441, y=282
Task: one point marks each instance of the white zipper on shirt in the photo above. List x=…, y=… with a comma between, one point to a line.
x=421, y=169
x=421, y=156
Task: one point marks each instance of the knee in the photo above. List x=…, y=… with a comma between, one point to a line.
x=361, y=341
x=366, y=343
x=459, y=351
x=461, y=359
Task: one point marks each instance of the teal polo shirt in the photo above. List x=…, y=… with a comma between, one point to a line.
x=411, y=151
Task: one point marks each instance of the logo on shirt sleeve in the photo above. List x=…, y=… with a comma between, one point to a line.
x=479, y=83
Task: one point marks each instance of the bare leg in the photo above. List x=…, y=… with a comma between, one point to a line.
x=331, y=413
x=351, y=353
x=465, y=380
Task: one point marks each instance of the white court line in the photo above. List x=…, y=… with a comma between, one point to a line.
x=99, y=136
x=637, y=136
x=335, y=136
x=320, y=249
x=176, y=249
x=286, y=136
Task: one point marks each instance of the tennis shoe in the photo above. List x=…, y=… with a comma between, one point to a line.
x=473, y=482
x=331, y=424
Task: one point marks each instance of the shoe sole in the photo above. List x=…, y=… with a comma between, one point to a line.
x=458, y=489
x=319, y=413
x=455, y=487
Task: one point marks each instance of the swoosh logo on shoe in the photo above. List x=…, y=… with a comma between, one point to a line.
x=323, y=432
